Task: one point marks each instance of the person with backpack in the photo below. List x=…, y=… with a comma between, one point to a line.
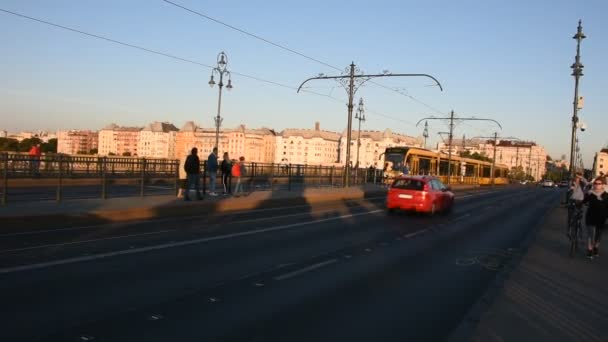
x=212, y=169
x=226, y=168
x=239, y=171
x=192, y=166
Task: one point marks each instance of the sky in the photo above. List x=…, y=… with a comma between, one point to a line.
x=503, y=60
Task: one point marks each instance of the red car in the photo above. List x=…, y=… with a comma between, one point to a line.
x=419, y=193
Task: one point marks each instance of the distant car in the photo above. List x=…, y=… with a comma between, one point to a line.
x=563, y=184
x=420, y=194
x=547, y=183
x=524, y=182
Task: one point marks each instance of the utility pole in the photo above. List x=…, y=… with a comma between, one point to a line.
x=530, y=161
x=360, y=115
x=351, y=82
x=451, y=134
x=464, y=144
x=425, y=133
x=577, y=72
x=495, y=139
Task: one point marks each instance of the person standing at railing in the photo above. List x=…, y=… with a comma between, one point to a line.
x=192, y=166
x=35, y=153
x=212, y=169
x=239, y=171
x=226, y=168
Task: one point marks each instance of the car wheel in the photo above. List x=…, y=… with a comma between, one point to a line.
x=390, y=211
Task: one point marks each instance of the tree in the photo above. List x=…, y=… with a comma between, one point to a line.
x=50, y=146
x=9, y=144
x=94, y=151
x=26, y=144
x=126, y=154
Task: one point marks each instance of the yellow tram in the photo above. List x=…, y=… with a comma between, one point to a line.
x=419, y=161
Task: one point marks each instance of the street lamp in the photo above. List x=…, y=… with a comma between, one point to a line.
x=220, y=70
x=577, y=72
x=359, y=115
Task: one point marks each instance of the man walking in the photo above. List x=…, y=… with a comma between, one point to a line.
x=35, y=153
x=212, y=169
x=192, y=166
x=239, y=171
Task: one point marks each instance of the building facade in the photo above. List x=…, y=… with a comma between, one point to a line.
x=77, y=142
x=120, y=141
x=307, y=147
x=600, y=162
x=157, y=140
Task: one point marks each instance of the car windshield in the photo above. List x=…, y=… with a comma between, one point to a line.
x=409, y=184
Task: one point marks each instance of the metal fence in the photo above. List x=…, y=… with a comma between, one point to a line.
x=58, y=176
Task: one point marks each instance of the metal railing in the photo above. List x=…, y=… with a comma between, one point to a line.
x=58, y=176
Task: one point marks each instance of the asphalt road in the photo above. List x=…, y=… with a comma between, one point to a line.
x=331, y=272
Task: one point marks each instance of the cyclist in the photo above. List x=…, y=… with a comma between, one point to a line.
x=575, y=196
x=597, y=199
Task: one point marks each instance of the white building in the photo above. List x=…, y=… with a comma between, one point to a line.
x=76, y=142
x=307, y=147
x=116, y=140
x=157, y=140
x=3, y=134
x=600, y=162
x=373, y=145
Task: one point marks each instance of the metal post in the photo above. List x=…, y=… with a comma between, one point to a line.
x=450, y=147
x=204, y=177
x=493, y=159
x=143, y=177
x=104, y=190
x=60, y=179
x=218, y=119
x=177, y=185
x=5, y=179
x=577, y=72
x=351, y=88
x=289, y=178
x=331, y=177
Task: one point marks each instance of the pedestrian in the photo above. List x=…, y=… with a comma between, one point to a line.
x=35, y=153
x=239, y=171
x=192, y=166
x=183, y=179
x=597, y=212
x=212, y=169
x=226, y=174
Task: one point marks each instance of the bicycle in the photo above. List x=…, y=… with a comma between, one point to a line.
x=575, y=224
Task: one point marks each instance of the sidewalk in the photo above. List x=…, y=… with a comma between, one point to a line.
x=549, y=296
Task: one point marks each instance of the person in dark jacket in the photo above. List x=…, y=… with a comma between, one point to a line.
x=212, y=169
x=192, y=166
x=226, y=169
x=597, y=199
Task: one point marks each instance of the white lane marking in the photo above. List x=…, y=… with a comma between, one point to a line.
x=187, y=218
x=407, y=236
x=172, y=245
x=85, y=241
x=305, y=269
x=460, y=218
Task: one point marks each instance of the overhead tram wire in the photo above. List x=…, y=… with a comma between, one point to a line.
x=144, y=49
x=292, y=51
x=181, y=59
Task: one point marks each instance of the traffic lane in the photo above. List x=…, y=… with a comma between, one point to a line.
x=19, y=249
x=57, y=233
x=303, y=303
x=49, y=193
x=90, y=290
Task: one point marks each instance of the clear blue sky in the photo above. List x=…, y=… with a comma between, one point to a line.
x=505, y=60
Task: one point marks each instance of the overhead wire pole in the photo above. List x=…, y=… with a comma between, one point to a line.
x=577, y=72
x=495, y=139
x=351, y=78
x=425, y=133
x=451, y=134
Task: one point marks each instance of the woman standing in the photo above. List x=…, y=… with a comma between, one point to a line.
x=226, y=176
x=597, y=199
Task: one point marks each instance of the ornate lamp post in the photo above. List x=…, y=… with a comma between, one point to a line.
x=220, y=70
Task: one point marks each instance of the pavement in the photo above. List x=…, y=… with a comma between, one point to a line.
x=545, y=295
x=32, y=214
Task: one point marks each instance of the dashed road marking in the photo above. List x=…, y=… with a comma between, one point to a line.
x=305, y=269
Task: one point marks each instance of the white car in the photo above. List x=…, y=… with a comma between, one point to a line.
x=547, y=183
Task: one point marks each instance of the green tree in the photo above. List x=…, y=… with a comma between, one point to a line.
x=94, y=151
x=50, y=146
x=9, y=145
x=26, y=144
x=126, y=154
